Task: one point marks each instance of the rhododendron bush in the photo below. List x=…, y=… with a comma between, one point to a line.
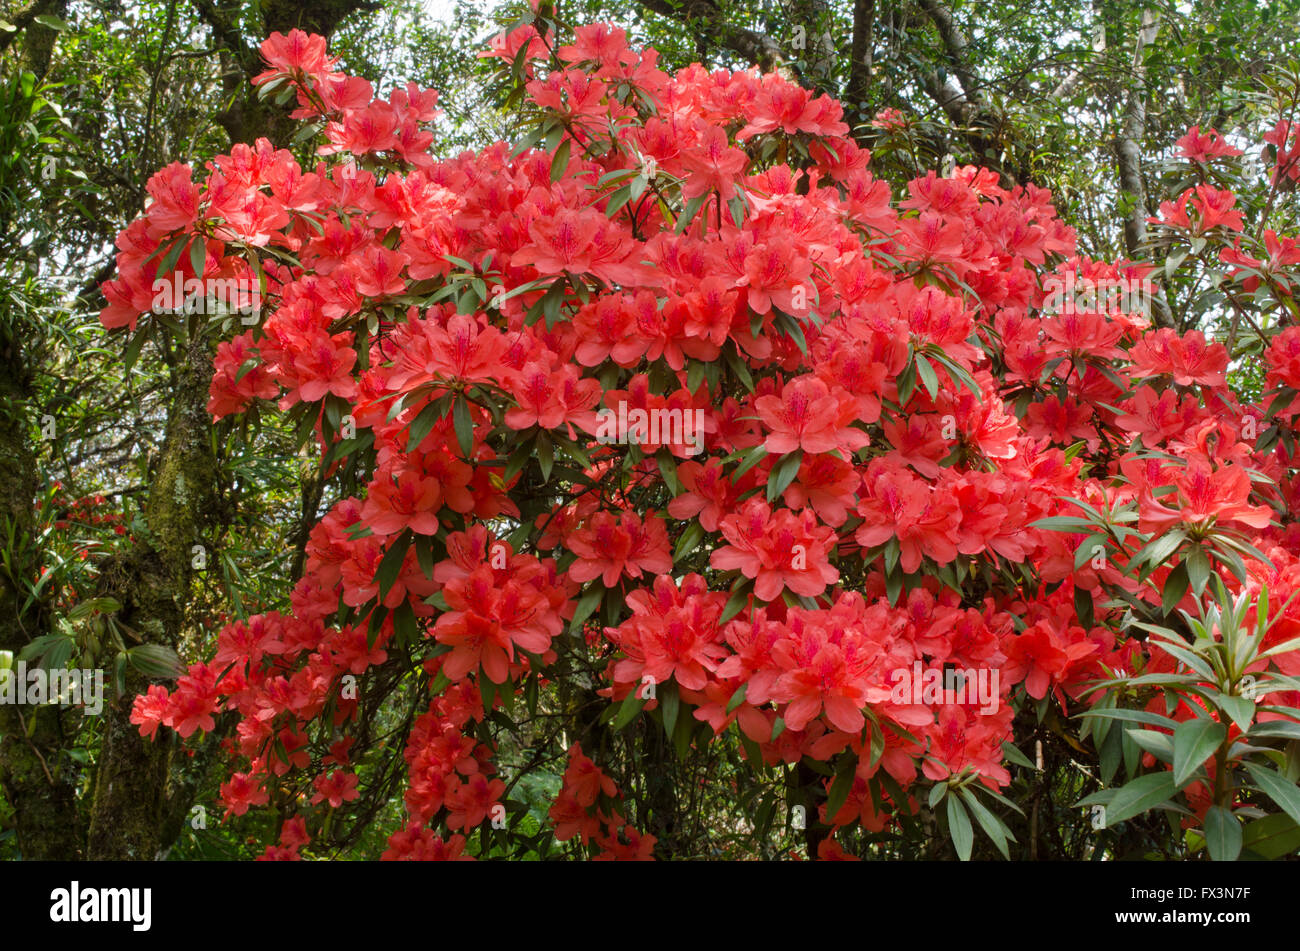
x=669, y=429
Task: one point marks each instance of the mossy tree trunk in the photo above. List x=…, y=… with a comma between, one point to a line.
x=153, y=585
x=39, y=782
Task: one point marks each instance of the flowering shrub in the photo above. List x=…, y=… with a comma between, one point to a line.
x=871, y=502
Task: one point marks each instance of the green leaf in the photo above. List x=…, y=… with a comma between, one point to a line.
x=1141, y=794
x=789, y=325
x=1159, y=745
x=906, y=383
x=391, y=565
x=404, y=624
x=961, y=377
x=669, y=704
x=168, y=265
x=1013, y=754
x=629, y=709
x=751, y=459
x=560, y=161
x=689, y=541
x=1241, y=710
x=959, y=827
x=1194, y=742
x=991, y=824
x=464, y=424
x=682, y=735
x=893, y=551
x=531, y=695
x=738, y=366
x=518, y=459
x=1083, y=607
x=738, y=697
x=1222, y=834
x=424, y=554
x=734, y=604
x=783, y=473
x=487, y=690
x=1281, y=790
x=1088, y=549
x=198, y=257
x=1175, y=588
x=1275, y=728
x=1198, y=570
x=587, y=605
x=156, y=661
x=668, y=469
x=439, y=684
x=422, y=425
x=737, y=208
x=133, y=348
x=1272, y=837
x=929, y=378
x=545, y=455
x=617, y=199
x=1159, y=549
x=893, y=587
x=552, y=300
x=1179, y=649
x=936, y=794
x=694, y=375
x=689, y=212
x=841, y=787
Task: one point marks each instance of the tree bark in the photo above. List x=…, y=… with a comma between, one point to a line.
x=860, y=64
x=38, y=781
x=1128, y=158
x=153, y=585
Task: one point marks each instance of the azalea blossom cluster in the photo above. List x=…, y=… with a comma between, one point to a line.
x=889, y=413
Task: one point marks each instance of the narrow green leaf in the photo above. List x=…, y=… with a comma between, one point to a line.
x=841, y=787
x=198, y=257
x=1175, y=588
x=1141, y=794
x=1198, y=570
x=669, y=704
x=156, y=661
x=422, y=425
x=959, y=827
x=689, y=541
x=391, y=564
x=587, y=605
x=929, y=378
x=991, y=824
x=560, y=161
x=629, y=709
x=1241, y=710
x=783, y=473
x=545, y=455
x=1281, y=790
x=1222, y=834
x=464, y=424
